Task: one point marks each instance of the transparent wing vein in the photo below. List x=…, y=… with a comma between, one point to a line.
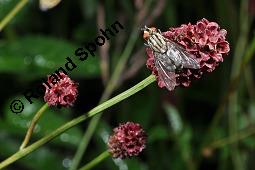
x=181, y=57
x=167, y=77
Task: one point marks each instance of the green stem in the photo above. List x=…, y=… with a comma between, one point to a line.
x=233, y=85
x=78, y=120
x=231, y=139
x=96, y=161
x=234, y=104
x=111, y=85
x=12, y=13
x=122, y=96
x=32, y=126
x=121, y=64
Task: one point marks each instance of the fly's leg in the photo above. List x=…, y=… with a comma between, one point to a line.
x=147, y=45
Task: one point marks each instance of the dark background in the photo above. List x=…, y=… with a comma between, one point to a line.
x=181, y=125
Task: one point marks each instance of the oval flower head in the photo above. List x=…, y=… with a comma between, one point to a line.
x=127, y=140
x=182, y=54
x=63, y=91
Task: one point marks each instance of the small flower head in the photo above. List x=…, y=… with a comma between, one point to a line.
x=127, y=140
x=63, y=91
x=205, y=40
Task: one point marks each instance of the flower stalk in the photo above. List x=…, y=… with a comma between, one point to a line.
x=32, y=126
x=18, y=155
x=111, y=85
x=12, y=13
x=232, y=139
x=96, y=161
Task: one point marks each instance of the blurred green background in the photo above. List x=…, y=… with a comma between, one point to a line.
x=208, y=126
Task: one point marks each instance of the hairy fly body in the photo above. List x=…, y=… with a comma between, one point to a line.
x=169, y=57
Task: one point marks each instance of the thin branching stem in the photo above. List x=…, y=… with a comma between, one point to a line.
x=18, y=155
x=231, y=139
x=111, y=85
x=32, y=125
x=96, y=161
x=246, y=55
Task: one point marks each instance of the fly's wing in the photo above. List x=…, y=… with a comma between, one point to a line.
x=167, y=77
x=180, y=56
x=166, y=62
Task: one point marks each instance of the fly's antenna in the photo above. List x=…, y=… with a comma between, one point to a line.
x=145, y=28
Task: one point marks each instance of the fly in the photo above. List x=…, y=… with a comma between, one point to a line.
x=169, y=57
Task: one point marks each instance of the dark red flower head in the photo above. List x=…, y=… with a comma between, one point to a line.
x=205, y=40
x=63, y=91
x=127, y=140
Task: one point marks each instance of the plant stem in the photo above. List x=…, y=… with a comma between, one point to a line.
x=150, y=79
x=111, y=85
x=122, y=96
x=234, y=103
x=231, y=139
x=32, y=126
x=96, y=161
x=233, y=85
x=12, y=13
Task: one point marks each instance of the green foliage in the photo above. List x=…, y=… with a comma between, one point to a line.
x=38, y=56
x=193, y=128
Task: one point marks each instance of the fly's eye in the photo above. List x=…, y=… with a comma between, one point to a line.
x=153, y=29
x=146, y=35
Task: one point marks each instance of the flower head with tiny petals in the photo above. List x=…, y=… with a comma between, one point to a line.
x=205, y=40
x=127, y=140
x=63, y=91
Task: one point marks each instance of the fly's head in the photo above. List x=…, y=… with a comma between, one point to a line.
x=147, y=32
x=154, y=39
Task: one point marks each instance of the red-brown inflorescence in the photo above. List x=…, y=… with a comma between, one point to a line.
x=205, y=40
x=127, y=140
x=63, y=91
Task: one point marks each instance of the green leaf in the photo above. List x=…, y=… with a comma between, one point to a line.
x=174, y=118
x=38, y=56
x=158, y=133
x=184, y=142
